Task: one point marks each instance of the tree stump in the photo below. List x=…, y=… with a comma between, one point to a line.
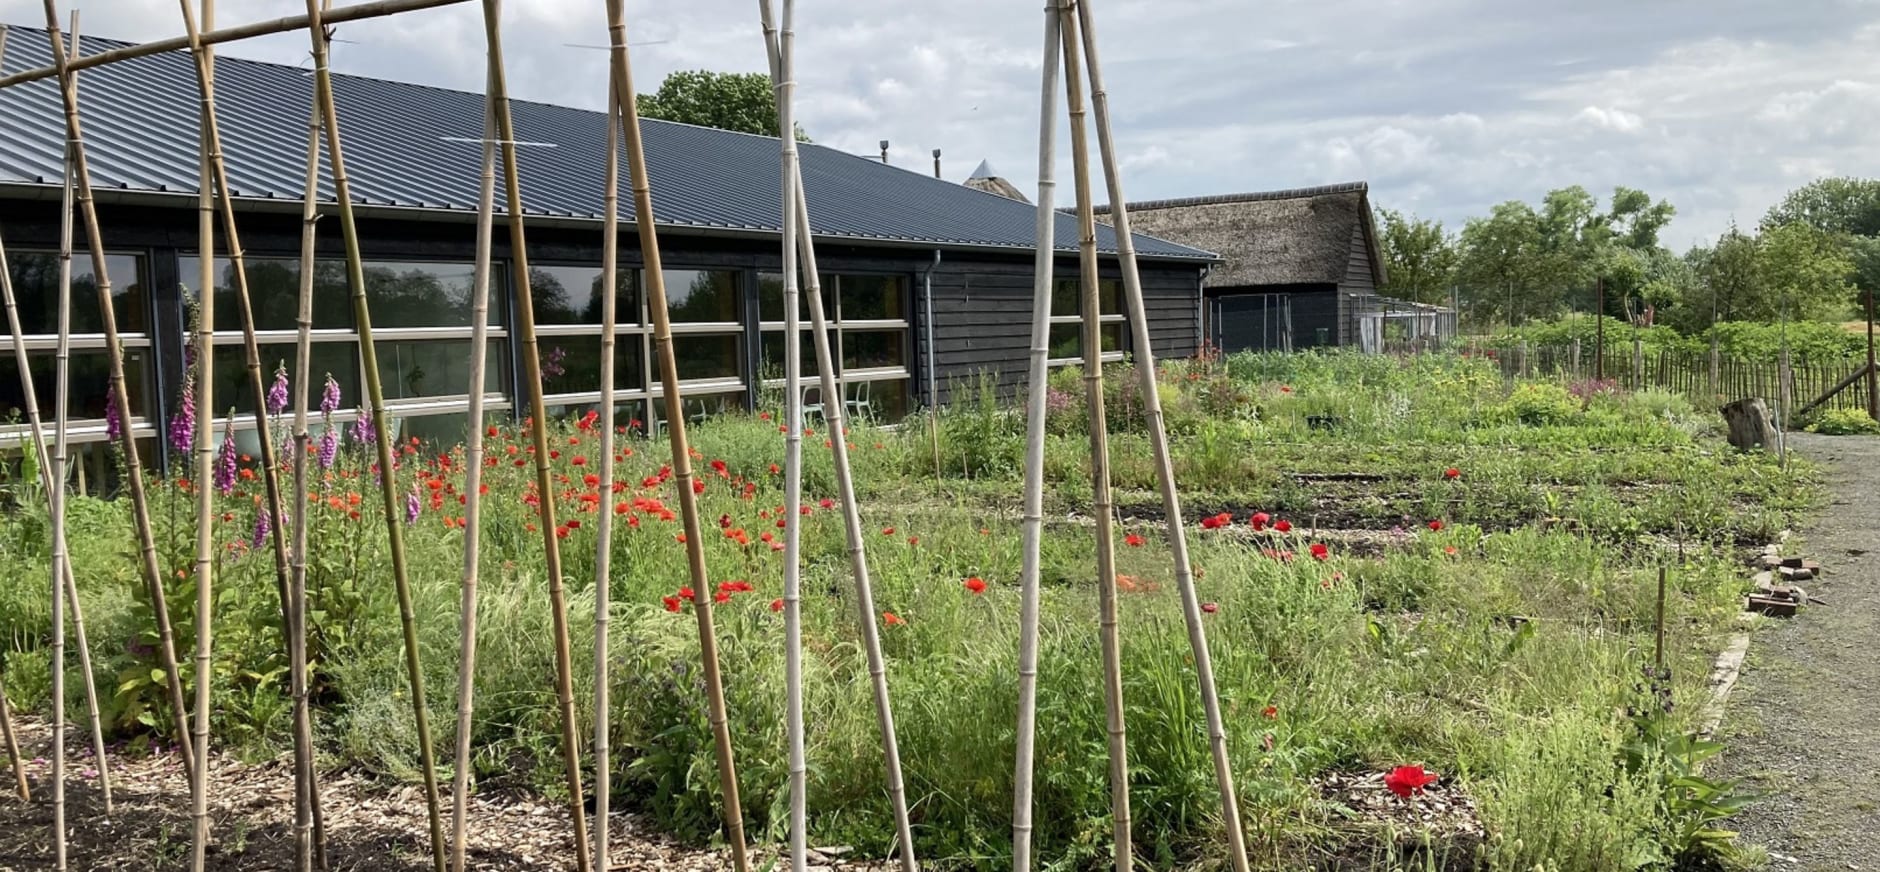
x=1751, y=425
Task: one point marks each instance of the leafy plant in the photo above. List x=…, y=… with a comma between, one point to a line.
x=1844, y=422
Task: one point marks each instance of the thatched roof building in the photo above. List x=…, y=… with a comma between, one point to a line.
x=986, y=179
x=1295, y=261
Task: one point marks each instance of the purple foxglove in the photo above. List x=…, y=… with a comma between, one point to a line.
x=264, y=525
x=113, y=425
x=225, y=466
x=329, y=447
x=277, y=393
x=411, y=507
x=362, y=431
x=329, y=396
x=183, y=423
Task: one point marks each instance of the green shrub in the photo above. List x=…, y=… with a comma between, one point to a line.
x=1540, y=404
x=1844, y=422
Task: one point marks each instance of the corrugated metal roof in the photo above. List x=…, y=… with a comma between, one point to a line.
x=140, y=131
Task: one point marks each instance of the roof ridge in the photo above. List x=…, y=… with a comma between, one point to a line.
x=1248, y=197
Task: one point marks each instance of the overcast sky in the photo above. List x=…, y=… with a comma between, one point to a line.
x=1445, y=106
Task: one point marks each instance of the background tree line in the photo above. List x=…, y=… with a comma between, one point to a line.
x=1813, y=257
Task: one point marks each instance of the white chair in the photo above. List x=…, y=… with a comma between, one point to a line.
x=859, y=400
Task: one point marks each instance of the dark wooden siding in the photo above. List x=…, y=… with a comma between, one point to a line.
x=982, y=316
x=1359, y=281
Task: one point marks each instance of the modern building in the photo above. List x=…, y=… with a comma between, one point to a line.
x=1300, y=267
x=926, y=282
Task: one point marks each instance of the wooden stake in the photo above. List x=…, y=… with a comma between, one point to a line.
x=604, y=534
x=13, y=742
x=1158, y=441
x=1658, y=649
x=60, y=556
x=388, y=484
x=114, y=353
x=676, y=433
x=1099, y=449
x=358, y=12
x=835, y=413
x=204, y=447
x=473, y=498
x=783, y=78
x=30, y=399
x=1037, y=374
x=538, y=429
x=309, y=827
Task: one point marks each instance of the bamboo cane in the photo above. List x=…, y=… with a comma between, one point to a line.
x=1099, y=448
x=388, y=485
x=30, y=399
x=309, y=828
x=784, y=83
x=473, y=498
x=13, y=741
x=215, y=179
x=357, y=12
x=204, y=446
x=538, y=430
x=61, y=399
x=604, y=532
x=114, y=353
x=1042, y=269
x=676, y=432
x=1158, y=440
x=845, y=485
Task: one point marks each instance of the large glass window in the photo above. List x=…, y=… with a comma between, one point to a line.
x=35, y=279
x=698, y=296
x=572, y=295
x=274, y=292
x=869, y=332
x=1067, y=345
x=436, y=368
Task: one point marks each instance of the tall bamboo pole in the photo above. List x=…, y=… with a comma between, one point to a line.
x=60, y=556
x=13, y=742
x=1873, y=372
x=676, y=431
x=309, y=827
x=1099, y=447
x=604, y=532
x=114, y=353
x=835, y=413
x=388, y=484
x=784, y=82
x=205, y=439
x=215, y=178
x=538, y=430
x=1036, y=375
x=473, y=494
x=30, y=399
x=1158, y=441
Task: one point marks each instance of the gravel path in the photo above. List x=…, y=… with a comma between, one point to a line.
x=1802, y=725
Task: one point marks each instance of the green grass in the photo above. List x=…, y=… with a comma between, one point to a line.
x=1398, y=649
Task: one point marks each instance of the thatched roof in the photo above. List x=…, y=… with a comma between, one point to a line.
x=1301, y=236
x=986, y=179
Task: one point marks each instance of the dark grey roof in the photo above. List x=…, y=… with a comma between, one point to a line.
x=140, y=131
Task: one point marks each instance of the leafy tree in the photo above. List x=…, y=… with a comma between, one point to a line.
x=1501, y=265
x=1635, y=220
x=744, y=102
x=1804, y=273
x=1833, y=205
x=1419, y=257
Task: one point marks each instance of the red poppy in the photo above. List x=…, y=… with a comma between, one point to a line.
x=913, y=540
x=579, y=460
x=826, y=503
x=554, y=454
x=776, y=605
x=1217, y=521
x=892, y=619
x=1320, y=552
x=685, y=593
x=1407, y=781
x=1282, y=526
x=1449, y=550
x=672, y=603
x=774, y=469
x=1436, y=526
x=721, y=597
x=1258, y=521
x=1285, y=389
x=491, y=431
x=1133, y=540
x=620, y=508
x=1210, y=608
x=1271, y=713
x=679, y=538
x=724, y=522
x=718, y=466
x=698, y=485
x=887, y=531
x=1452, y=472
x=591, y=480
x=975, y=584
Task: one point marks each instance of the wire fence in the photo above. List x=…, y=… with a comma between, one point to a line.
x=1711, y=378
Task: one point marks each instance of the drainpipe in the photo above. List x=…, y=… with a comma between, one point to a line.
x=1201, y=304
x=926, y=280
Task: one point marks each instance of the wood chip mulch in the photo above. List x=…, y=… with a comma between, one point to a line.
x=370, y=824
x=1442, y=817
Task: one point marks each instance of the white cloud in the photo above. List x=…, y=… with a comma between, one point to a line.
x=1616, y=120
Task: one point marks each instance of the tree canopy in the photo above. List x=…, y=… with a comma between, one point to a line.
x=744, y=102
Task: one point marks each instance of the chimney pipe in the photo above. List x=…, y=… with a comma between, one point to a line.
x=884, y=151
x=936, y=163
